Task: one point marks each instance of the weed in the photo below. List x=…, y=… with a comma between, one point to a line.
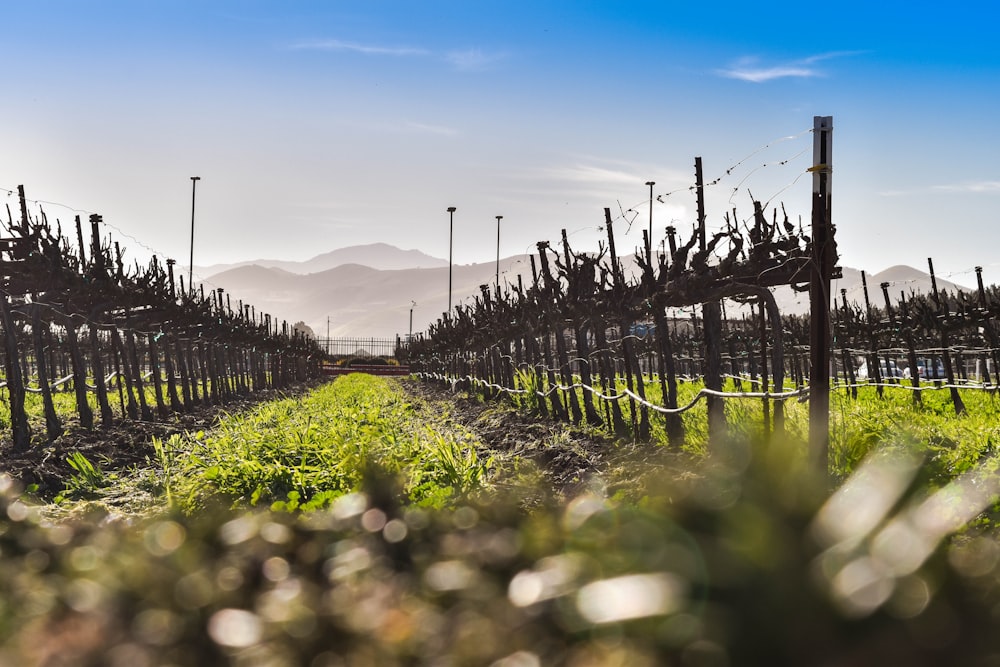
x=87, y=480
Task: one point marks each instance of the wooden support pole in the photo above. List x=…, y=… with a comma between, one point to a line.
x=823, y=261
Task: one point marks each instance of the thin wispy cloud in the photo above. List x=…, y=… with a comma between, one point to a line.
x=591, y=174
x=752, y=70
x=622, y=173
x=466, y=60
x=611, y=183
x=354, y=47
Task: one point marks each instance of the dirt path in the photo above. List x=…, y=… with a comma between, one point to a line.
x=566, y=459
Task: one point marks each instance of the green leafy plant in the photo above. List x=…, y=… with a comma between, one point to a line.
x=87, y=480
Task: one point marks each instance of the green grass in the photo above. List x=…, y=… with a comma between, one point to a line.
x=305, y=452
x=951, y=443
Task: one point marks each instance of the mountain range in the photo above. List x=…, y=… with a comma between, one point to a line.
x=376, y=255
x=374, y=290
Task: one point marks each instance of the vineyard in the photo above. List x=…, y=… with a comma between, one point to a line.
x=125, y=340
x=602, y=465
x=584, y=343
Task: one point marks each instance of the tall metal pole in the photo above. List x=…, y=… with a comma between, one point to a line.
x=451, y=234
x=413, y=304
x=498, y=249
x=823, y=261
x=194, y=183
x=650, y=184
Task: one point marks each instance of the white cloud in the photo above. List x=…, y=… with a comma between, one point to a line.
x=365, y=49
x=748, y=69
x=760, y=75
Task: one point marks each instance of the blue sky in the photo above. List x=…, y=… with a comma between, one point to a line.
x=318, y=125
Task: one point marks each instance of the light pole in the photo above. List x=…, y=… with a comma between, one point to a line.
x=499, y=217
x=194, y=183
x=451, y=234
x=651, y=184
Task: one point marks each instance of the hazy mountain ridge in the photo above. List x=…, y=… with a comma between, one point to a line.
x=375, y=255
x=360, y=300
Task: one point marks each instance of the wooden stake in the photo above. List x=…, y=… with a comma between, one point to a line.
x=823, y=261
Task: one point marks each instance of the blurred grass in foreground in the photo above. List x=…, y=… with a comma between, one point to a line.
x=744, y=559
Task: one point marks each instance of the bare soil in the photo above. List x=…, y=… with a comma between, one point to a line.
x=125, y=445
x=567, y=458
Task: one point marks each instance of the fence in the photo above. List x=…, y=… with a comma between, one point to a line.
x=360, y=347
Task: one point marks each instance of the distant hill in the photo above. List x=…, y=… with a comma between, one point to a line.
x=361, y=300
x=375, y=255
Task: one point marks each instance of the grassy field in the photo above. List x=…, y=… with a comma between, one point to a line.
x=362, y=524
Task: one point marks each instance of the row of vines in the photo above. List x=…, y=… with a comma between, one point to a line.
x=588, y=339
x=125, y=340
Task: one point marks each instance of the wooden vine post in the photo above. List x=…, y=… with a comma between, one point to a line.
x=823, y=260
